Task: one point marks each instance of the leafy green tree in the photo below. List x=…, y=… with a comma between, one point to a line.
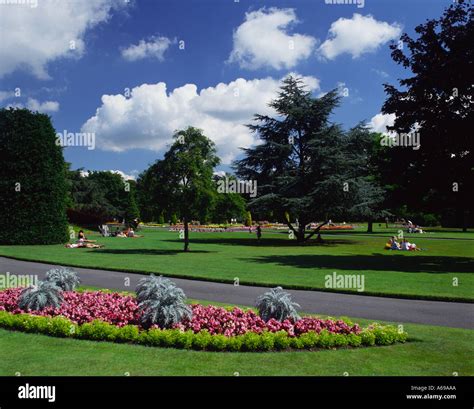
x=304, y=165
x=161, y=219
x=227, y=205
x=114, y=189
x=132, y=213
x=370, y=201
x=99, y=196
x=184, y=176
x=33, y=188
x=149, y=202
x=436, y=102
x=174, y=219
x=248, y=219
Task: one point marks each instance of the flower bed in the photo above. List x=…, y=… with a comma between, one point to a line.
x=81, y=307
x=114, y=317
x=338, y=227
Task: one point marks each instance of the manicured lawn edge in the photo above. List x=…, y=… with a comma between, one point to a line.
x=258, y=284
x=174, y=338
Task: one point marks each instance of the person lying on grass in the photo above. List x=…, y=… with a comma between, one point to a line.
x=83, y=244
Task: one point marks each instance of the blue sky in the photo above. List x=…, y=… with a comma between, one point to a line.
x=139, y=44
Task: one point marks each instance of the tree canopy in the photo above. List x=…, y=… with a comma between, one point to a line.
x=183, y=178
x=436, y=102
x=305, y=165
x=100, y=196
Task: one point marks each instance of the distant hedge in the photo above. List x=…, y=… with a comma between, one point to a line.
x=33, y=187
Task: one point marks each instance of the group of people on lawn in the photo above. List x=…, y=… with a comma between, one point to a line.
x=127, y=232
x=82, y=241
x=404, y=245
x=413, y=228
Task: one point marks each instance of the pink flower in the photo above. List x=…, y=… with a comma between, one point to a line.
x=120, y=310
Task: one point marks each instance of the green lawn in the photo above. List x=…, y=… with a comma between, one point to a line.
x=278, y=261
x=430, y=350
x=436, y=351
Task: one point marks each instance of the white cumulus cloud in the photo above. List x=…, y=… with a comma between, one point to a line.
x=35, y=105
x=34, y=36
x=379, y=122
x=46, y=106
x=357, y=35
x=262, y=40
x=125, y=176
x=154, y=47
x=149, y=117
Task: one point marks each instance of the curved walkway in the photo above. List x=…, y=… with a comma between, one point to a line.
x=450, y=314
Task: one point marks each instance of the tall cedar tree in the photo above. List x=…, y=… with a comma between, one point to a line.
x=305, y=165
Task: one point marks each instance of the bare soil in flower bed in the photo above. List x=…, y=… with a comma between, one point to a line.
x=110, y=316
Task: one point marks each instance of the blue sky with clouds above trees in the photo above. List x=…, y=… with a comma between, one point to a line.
x=134, y=71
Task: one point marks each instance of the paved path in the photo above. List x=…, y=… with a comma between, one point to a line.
x=450, y=314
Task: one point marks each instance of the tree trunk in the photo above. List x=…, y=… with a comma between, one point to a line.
x=301, y=231
x=370, y=226
x=186, y=234
x=291, y=227
x=317, y=230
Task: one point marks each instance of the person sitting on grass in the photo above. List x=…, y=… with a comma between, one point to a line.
x=121, y=234
x=82, y=237
x=131, y=233
x=417, y=229
x=407, y=246
x=393, y=244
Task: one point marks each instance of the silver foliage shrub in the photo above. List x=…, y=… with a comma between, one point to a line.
x=161, y=303
x=149, y=286
x=36, y=298
x=63, y=277
x=277, y=304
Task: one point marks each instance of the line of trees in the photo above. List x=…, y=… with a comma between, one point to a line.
x=99, y=196
x=307, y=168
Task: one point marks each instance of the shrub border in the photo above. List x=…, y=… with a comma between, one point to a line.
x=202, y=341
